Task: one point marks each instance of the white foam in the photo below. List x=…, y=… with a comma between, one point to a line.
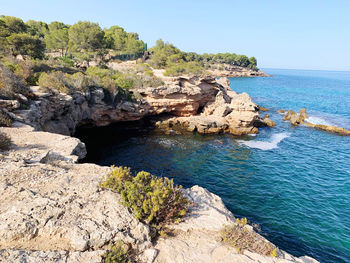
x=266, y=145
x=317, y=120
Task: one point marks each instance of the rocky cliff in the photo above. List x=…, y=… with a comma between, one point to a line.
x=52, y=210
x=201, y=104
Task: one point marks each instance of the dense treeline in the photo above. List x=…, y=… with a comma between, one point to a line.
x=166, y=54
x=82, y=40
x=57, y=55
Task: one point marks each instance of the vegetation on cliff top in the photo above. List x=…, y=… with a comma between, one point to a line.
x=84, y=41
x=73, y=58
x=166, y=55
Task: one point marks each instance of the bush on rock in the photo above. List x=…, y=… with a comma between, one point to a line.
x=243, y=238
x=117, y=254
x=153, y=200
x=5, y=119
x=5, y=142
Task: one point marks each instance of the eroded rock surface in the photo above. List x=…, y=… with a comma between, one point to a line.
x=225, y=112
x=209, y=105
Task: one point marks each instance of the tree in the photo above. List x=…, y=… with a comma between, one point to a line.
x=57, y=40
x=133, y=45
x=13, y=24
x=115, y=38
x=242, y=60
x=26, y=44
x=37, y=28
x=85, y=36
x=252, y=62
x=161, y=53
x=55, y=25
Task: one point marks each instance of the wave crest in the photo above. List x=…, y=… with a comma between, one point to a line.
x=266, y=145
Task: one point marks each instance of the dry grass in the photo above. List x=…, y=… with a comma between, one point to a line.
x=243, y=238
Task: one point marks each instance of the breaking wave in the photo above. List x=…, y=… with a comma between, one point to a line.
x=266, y=145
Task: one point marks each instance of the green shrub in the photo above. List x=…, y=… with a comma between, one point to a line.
x=55, y=80
x=5, y=119
x=5, y=142
x=117, y=254
x=79, y=81
x=11, y=85
x=190, y=68
x=152, y=200
x=67, y=61
x=243, y=238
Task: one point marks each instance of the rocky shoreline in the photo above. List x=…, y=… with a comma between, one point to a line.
x=53, y=209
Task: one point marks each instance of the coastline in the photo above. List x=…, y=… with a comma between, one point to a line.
x=56, y=220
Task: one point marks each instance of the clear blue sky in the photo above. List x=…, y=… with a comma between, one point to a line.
x=306, y=34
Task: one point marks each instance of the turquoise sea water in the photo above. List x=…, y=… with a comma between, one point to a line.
x=293, y=181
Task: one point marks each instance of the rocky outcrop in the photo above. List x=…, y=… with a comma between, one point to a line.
x=268, y=122
x=226, y=112
x=294, y=118
x=227, y=70
x=208, y=105
x=301, y=118
x=329, y=128
x=52, y=210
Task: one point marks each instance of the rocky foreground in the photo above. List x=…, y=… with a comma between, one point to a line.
x=52, y=210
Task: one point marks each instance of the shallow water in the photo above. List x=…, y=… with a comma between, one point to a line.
x=293, y=181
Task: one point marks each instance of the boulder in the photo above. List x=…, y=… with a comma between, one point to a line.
x=268, y=121
x=303, y=115
x=288, y=115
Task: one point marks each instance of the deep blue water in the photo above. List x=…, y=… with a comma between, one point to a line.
x=293, y=181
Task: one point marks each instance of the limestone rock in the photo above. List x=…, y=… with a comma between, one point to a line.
x=268, y=121
x=303, y=115
x=179, y=96
x=329, y=128
x=294, y=118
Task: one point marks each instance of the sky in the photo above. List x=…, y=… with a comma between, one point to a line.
x=295, y=34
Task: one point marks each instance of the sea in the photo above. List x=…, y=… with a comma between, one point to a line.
x=294, y=182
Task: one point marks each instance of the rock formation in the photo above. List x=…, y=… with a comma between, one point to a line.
x=223, y=111
x=329, y=128
x=268, y=121
x=52, y=210
x=227, y=70
x=294, y=118
x=197, y=103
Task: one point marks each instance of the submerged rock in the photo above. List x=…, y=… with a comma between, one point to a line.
x=329, y=128
x=261, y=108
